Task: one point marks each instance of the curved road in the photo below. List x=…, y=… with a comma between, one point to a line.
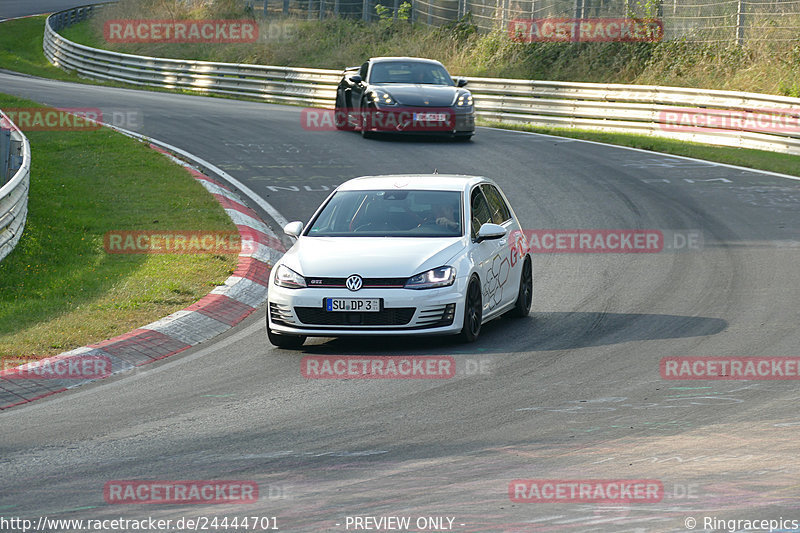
x=572, y=392
x=20, y=8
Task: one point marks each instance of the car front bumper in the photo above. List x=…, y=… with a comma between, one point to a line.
x=403, y=311
x=401, y=120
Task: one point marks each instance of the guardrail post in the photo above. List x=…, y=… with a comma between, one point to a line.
x=15, y=156
x=285, y=7
x=5, y=155
x=740, y=22
x=321, y=9
x=335, y=8
x=578, y=9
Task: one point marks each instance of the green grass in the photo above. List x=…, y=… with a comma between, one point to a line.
x=767, y=63
x=758, y=159
x=59, y=289
x=21, y=49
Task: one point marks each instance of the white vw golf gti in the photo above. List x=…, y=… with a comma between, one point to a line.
x=401, y=255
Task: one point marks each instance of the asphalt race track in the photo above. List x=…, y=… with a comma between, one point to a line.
x=20, y=8
x=572, y=392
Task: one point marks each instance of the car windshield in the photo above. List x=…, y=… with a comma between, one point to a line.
x=410, y=72
x=390, y=213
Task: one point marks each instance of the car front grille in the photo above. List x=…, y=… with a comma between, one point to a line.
x=369, y=283
x=393, y=316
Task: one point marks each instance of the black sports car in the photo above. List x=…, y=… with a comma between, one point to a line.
x=404, y=95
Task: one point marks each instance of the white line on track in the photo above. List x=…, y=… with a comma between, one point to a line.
x=651, y=152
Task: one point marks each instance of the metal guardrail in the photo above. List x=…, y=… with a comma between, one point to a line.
x=726, y=118
x=15, y=173
x=303, y=86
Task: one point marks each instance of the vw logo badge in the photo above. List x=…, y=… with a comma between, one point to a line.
x=354, y=282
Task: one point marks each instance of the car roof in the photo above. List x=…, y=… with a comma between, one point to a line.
x=428, y=182
x=399, y=58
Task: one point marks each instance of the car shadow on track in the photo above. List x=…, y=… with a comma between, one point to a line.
x=538, y=332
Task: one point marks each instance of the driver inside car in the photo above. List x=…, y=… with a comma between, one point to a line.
x=444, y=216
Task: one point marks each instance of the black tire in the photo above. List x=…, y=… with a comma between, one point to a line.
x=364, y=121
x=522, y=307
x=289, y=342
x=342, y=114
x=284, y=341
x=473, y=312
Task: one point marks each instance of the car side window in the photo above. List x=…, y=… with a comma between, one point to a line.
x=499, y=209
x=363, y=71
x=479, y=211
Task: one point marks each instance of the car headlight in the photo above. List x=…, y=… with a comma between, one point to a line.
x=286, y=277
x=383, y=98
x=464, y=100
x=436, y=277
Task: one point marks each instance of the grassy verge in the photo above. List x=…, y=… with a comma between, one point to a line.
x=758, y=159
x=21, y=49
x=761, y=65
x=59, y=289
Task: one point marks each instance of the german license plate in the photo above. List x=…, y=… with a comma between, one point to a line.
x=357, y=305
x=430, y=117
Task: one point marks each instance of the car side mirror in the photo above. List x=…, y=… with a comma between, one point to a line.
x=293, y=229
x=491, y=231
x=355, y=78
x=461, y=82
